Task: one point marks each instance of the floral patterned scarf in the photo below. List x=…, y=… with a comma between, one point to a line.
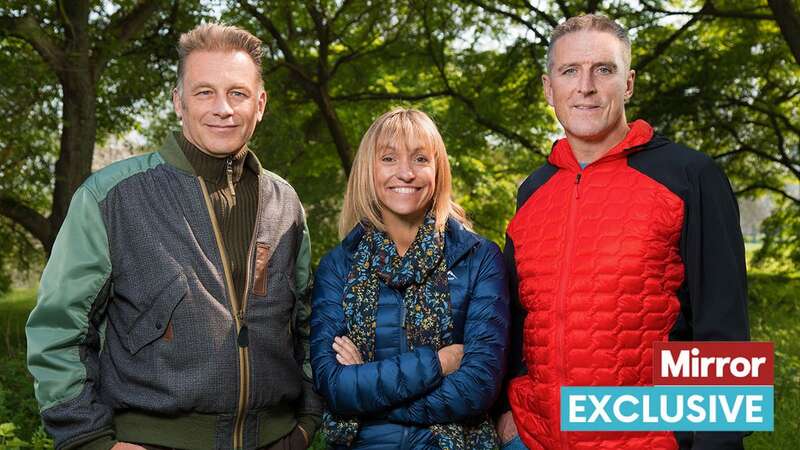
x=421, y=274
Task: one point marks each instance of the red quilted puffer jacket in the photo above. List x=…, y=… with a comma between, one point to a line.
x=601, y=264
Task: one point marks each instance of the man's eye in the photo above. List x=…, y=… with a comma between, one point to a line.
x=569, y=71
x=238, y=94
x=605, y=70
x=204, y=92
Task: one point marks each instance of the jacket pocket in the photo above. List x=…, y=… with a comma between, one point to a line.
x=153, y=322
x=262, y=261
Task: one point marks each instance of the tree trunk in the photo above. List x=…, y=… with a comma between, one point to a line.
x=78, y=136
x=79, y=121
x=325, y=104
x=789, y=23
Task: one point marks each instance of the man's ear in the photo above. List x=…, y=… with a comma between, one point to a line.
x=629, y=81
x=548, y=89
x=177, y=103
x=263, y=97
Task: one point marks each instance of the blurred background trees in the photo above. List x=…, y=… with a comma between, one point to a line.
x=719, y=76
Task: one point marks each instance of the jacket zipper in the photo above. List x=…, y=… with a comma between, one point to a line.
x=238, y=310
x=562, y=287
x=229, y=176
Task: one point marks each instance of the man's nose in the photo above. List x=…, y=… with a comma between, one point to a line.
x=221, y=106
x=586, y=84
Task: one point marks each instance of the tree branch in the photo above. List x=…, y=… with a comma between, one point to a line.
x=362, y=51
x=765, y=187
x=515, y=18
x=662, y=46
x=267, y=23
x=468, y=102
x=289, y=59
x=30, y=219
x=789, y=23
x=363, y=96
x=29, y=30
x=709, y=9
x=121, y=29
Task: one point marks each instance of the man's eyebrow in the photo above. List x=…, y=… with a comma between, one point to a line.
x=564, y=66
x=205, y=84
x=201, y=84
x=610, y=64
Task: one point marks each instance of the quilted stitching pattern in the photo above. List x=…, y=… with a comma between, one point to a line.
x=598, y=264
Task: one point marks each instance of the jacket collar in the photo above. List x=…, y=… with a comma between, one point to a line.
x=173, y=155
x=457, y=241
x=640, y=133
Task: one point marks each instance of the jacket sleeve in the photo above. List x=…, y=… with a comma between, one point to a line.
x=471, y=390
x=362, y=388
x=716, y=275
x=309, y=409
x=63, y=330
x=516, y=360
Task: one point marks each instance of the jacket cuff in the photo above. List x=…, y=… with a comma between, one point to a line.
x=428, y=352
x=101, y=443
x=310, y=424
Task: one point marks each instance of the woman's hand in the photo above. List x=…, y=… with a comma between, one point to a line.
x=506, y=428
x=126, y=446
x=346, y=352
x=450, y=358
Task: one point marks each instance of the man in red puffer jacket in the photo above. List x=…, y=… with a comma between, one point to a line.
x=622, y=239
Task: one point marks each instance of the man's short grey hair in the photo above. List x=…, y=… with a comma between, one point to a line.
x=593, y=22
x=217, y=37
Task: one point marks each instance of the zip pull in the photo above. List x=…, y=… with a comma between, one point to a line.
x=229, y=173
x=577, y=182
x=243, y=338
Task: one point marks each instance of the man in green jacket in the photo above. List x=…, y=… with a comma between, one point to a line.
x=173, y=310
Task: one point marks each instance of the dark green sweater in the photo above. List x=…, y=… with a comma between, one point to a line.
x=235, y=211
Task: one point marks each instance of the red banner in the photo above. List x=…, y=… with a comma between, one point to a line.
x=713, y=363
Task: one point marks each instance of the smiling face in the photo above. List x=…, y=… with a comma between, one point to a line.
x=587, y=85
x=221, y=101
x=405, y=181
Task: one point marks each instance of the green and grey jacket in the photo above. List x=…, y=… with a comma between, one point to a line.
x=138, y=334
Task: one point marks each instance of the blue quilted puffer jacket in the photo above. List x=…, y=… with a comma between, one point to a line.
x=402, y=392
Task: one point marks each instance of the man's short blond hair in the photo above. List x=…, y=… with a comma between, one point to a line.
x=396, y=128
x=218, y=37
x=589, y=22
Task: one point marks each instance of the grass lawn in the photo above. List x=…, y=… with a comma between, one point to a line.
x=774, y=316
x=17, y=403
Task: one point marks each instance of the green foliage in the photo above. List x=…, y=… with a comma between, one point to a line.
x=781, y=245
x=17, y=403
x=10, y=441
x=774, y=313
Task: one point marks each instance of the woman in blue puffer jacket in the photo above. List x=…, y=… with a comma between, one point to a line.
x=410, y=312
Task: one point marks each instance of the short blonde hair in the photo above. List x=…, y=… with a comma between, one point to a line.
x=589, y=22
x=361, y=203
x=218, y=37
